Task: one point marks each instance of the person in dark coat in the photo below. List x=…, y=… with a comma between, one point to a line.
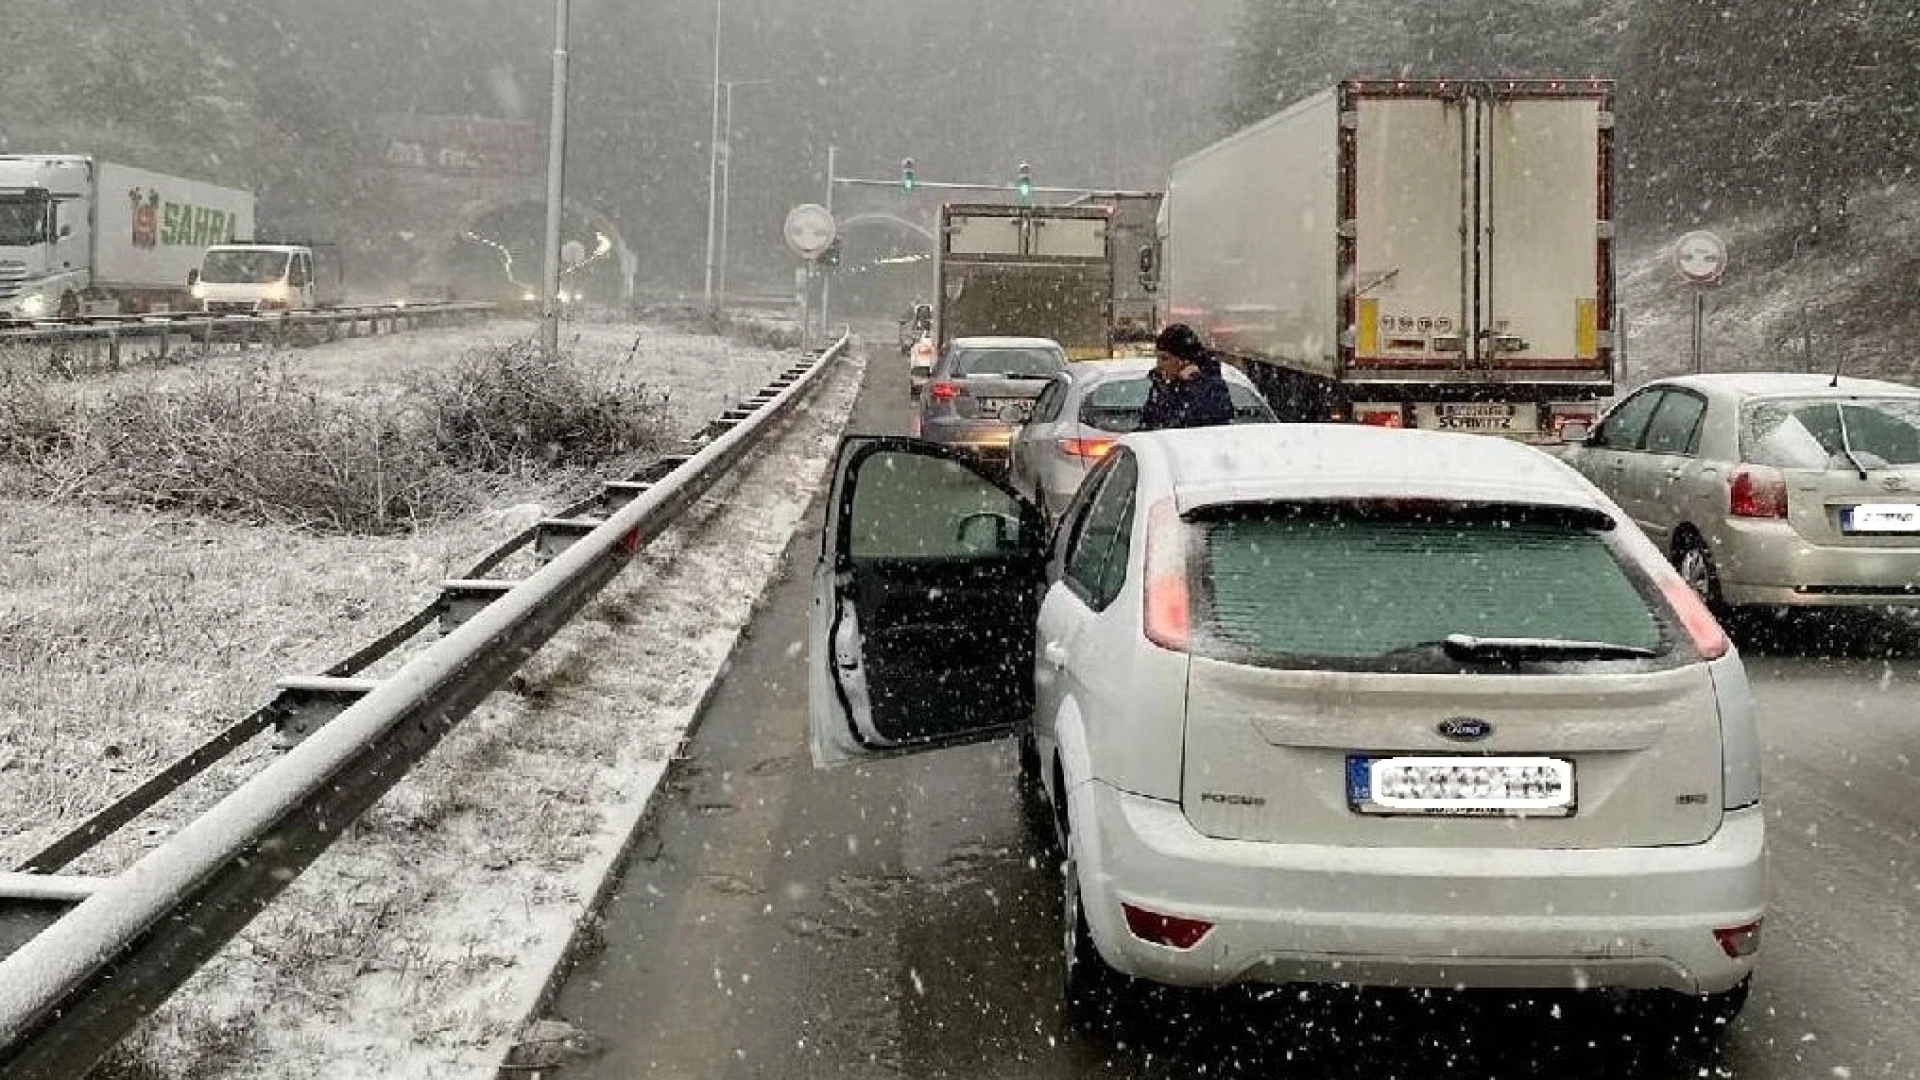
x=1185, y=388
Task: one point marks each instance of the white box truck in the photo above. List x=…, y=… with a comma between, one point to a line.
x=1409, y=253
x=1026, y=271
x=81, y=236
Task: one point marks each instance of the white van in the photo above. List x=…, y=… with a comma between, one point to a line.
x=246, y=278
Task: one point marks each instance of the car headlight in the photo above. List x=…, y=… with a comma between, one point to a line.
x=34, y=305
x=277, y=291
x=199, y=291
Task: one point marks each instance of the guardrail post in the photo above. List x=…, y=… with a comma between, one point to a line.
x=463, y=598
x=307, y=702
x=556, y=535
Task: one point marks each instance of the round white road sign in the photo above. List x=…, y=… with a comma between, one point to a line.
x=810, y=230
x=1701, y=257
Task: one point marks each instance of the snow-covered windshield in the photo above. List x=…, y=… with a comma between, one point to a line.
x=23, y=220
x=237, y=267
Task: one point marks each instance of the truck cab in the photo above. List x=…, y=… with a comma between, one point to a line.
x=43, y=236
x=248, y=278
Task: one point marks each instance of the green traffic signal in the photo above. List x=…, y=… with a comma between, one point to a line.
x=907, y=178
x=1024, y=184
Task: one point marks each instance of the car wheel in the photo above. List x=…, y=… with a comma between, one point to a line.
x=1094, y=991
x=1695, y=564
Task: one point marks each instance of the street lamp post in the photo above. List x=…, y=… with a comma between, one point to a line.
x=726, y=177
x=556, y=187
x=713, y=158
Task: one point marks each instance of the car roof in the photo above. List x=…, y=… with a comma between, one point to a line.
x=1285, y=462
x=1743, y=384
x=1004, y=343
x=1085, y=374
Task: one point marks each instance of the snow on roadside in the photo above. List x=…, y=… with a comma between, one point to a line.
x=127, y=636
x=417, y=945
x=697, y=374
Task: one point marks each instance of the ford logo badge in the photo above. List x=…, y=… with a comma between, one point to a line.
x=1464, y=728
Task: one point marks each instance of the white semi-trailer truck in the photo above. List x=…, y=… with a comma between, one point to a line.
x=1409, y=253
x=81, y=236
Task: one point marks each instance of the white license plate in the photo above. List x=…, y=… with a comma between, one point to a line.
x=1487, y=786
x=1493, y=416
x=1881, y=518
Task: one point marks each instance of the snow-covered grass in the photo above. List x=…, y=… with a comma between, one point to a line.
x=1854, y=291
x=127, y=636
x=417, y=945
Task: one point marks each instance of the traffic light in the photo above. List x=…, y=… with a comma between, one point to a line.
x=1024, y=183
x=831, y=256
x=907, y=179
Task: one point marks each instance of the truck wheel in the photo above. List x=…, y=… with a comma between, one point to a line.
x=69, y=305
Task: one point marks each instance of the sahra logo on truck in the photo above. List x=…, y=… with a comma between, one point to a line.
x=186, y=225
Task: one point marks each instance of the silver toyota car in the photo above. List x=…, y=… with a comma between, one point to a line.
x=1080, y=415
x=1771, y=490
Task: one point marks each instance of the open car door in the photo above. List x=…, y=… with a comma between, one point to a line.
x=924, y=603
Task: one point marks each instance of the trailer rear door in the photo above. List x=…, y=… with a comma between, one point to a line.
x=1543, y=266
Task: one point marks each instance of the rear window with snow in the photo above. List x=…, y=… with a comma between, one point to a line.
x=1368, y=587
x=1819, y=433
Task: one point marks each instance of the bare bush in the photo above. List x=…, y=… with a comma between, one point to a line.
x=265, y=446
x=510, y=410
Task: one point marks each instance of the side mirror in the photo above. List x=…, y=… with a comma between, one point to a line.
x=193, y=277
x=1576, y=432
x=986, y=534
x=66, y=231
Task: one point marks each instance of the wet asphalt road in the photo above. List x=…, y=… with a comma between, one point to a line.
x=895, y=920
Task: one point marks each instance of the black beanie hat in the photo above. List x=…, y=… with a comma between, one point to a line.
x=1178, y=339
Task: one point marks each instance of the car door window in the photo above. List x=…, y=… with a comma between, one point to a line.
x=1103, y=534
x=1046, y=409
x=1675, y=427
x=1626, y=425
x=911, y=506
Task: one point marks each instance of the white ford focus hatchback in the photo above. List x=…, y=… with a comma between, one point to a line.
x=1320, y=704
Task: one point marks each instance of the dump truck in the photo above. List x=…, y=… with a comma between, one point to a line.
x=1026, y=271
x=1428, y=254
x=80, y=236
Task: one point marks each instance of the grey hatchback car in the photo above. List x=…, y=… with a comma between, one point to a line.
x=981, y=390
x=1081, y=414
x=1771, y=490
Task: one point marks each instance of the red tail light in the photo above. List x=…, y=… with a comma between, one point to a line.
x=1735, y=941
x=1166, y=617
x=1094, y=449
x=944, y=391
x=1169, y=930
x=1756, y=491
x=1709, y=640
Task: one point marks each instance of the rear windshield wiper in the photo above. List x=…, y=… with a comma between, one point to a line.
x=1468, y=647
x=1846, y=443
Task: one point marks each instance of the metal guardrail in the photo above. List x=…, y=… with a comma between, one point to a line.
x=267, y=327
x=74, y=989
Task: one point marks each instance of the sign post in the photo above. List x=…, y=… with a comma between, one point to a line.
x=810, y=230
x=1701, y=258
